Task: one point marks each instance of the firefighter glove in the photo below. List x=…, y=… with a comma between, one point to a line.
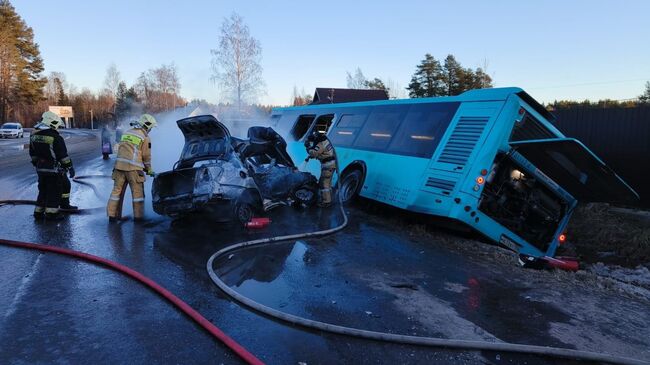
x=71, y=172
x=150, y=172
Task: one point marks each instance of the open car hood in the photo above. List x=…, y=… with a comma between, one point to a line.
x=266, y=141
x=205, y=138
x=202, y=127
x=576, y=169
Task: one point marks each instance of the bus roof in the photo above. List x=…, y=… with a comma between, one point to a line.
x=492, y=94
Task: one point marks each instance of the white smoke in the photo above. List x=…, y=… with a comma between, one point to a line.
x=167, y=140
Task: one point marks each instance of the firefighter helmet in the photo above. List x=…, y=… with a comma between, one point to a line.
x=147, y=121
x=51, y=120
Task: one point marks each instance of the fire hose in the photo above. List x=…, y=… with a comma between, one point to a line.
x=77, y=179
x=383, y=336
x=213, y=330
x=301, y=321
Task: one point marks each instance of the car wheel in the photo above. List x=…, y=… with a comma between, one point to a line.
x=305, y=195
x=243, y=212
x=351, y=185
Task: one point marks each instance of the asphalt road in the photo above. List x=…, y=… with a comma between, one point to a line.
x=386, y=272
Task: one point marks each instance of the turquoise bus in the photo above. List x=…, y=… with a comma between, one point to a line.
x=489, y=158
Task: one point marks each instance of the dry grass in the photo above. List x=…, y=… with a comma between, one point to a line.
x=599, y=234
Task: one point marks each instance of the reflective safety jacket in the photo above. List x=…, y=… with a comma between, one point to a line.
x=48, y=151
x=323, y=151
x=134, y=151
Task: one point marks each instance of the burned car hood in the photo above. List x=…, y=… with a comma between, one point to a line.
x=264, y=141
x=576, y=169
x=205, y=138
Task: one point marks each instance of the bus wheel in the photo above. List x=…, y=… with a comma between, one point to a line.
x=350, y=185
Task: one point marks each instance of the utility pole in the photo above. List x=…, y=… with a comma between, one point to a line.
x=92, y=125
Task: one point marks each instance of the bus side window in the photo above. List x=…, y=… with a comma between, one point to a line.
x=422, y=128
x=380, y=127
x=323, y=123
x=347, y=129
x=302, y=126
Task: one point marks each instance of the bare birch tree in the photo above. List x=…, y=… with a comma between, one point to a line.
x=55, y=80
x=159, y=88
x=236, y=63
x=357, y=81
x=112, y=81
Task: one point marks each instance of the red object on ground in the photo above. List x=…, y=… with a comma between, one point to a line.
x=562, y=263
x=158, y=289
x=258, y=223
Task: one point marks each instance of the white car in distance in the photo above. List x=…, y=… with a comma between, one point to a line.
x=11, y=130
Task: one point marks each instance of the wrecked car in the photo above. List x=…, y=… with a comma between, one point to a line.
x=230, y=178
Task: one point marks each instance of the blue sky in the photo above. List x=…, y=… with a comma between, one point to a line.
x=554, y=49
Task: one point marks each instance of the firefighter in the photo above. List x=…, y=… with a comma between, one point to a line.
x=320, y=148
x=132, y=163
x=50, y=157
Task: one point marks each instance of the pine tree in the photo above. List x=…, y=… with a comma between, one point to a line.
x=21, y=81
x=126, y=100
x=377, y=84
x=449, y=79
x=61, y=97
x=428, y=79
x=455, y=76
x=645, y=97
x=479, y=80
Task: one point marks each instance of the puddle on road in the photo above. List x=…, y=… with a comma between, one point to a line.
x=265, y=274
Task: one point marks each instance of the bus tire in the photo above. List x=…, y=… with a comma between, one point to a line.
x=351, y=183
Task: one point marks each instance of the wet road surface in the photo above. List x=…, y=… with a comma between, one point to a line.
x=379, y=274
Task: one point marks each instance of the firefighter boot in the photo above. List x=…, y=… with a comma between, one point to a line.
x=39, y=212
x=326, y=187
x=53, y=214
x=65, y=204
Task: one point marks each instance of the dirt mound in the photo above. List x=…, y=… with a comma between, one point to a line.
x=600, y=233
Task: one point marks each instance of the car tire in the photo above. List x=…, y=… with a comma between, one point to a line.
x=305, y=195
x=350, y=187
x=244, y=212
